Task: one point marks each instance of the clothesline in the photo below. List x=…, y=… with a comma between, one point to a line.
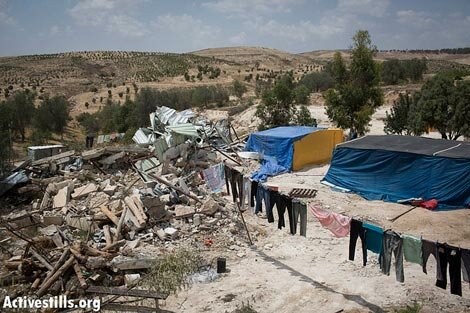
x=373, y=237
x=412, y=249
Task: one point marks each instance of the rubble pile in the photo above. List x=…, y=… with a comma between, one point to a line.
x=101, y=217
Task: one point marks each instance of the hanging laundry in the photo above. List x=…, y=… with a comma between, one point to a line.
x=235, y=179
x=269, y=197
x=374, y=236
x=412, y=249
x=254, y=188
x=357, y=230
x=215, y=177
x=465, y=264
x=338, y=224
x=299, y=209
x=430, y=247
x=451, y=256
x=392, y=243
x=228, y=178
x=283, y=203
x=246, y=195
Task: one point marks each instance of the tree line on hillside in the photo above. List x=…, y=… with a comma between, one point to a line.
x=18, y=114
x=396, y=71
x=464, y=50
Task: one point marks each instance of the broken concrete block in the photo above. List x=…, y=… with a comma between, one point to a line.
x=98, y=199
x=84, y=191
x=165, y=198
x=130, y=279
x=83, y=223
x=53, y=220
x=121, y=263
x=171, y=232
x=113, y=158
x=183, y=211
x=161, y=234
x=210, y=207
x=110, y=189
x=197, y=219
x=62, y=197
x=49, y=230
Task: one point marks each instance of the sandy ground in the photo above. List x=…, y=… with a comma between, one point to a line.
x=286, y=273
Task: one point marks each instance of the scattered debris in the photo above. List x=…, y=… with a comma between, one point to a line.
x=101, y=217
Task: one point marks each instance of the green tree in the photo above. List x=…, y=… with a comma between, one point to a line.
x=354, y=99
x=53, y=115
x=304, y=118
x=5, y=138
x=404, y=118
x=392, y=72
x=301, y=94
x=276, y=108
x=89, y=122
x=317, y=81
x=338, y=69
x=145, y=103
x=445, y=106
x=21, y=106
x=239, y=88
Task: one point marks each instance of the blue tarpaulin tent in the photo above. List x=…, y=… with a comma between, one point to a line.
x=278, y=142
x=394, y=168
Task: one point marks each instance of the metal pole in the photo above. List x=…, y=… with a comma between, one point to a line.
x=244, y=223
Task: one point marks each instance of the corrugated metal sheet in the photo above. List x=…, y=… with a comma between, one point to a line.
x=187, y=129
x=12, y=180
x=168, y=116
x=160, y=146
x=147, y=166
x=143, y=137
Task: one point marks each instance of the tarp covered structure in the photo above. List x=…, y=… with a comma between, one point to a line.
x=293, y=147
x=394, y=168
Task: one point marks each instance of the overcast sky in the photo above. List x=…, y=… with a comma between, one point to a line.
x=48, y=26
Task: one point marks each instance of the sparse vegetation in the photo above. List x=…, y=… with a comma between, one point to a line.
x=239, y=88
x=415, y=308
x=170, y=271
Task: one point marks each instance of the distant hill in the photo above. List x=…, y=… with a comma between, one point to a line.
x=78, y=72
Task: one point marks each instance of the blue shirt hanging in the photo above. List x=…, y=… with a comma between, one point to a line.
x=374, y=236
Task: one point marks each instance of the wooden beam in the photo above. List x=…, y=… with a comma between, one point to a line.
x=165, y=182
x=48, y=283
x=109, y=214
x=127, y=293
x=113, y=307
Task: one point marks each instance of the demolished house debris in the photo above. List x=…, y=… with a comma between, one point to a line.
x=93, y=215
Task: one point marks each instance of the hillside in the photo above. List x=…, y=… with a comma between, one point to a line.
x=87, y=78
x=76, y=72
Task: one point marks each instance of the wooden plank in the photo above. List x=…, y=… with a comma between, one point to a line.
x=113, y=307
x=109, y=214
x=128, y=293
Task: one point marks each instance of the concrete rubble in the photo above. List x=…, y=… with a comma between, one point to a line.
x=93, y=215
